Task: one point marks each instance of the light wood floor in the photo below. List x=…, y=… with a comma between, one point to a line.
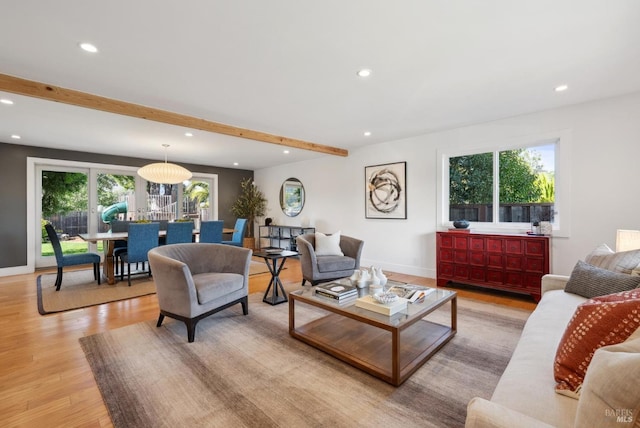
x=45, y=380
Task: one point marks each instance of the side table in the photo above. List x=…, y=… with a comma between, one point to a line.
x=275, y=263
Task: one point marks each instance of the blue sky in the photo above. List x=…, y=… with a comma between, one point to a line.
x=547, y=155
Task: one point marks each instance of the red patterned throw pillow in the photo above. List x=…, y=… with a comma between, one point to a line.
x=598, y=322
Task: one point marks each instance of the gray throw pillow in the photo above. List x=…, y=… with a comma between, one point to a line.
x=591, y=281
x=605, y=258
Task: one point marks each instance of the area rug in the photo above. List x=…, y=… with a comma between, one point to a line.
x=80, y=290
x=246, y=371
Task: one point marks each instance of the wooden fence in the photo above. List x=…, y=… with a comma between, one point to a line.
x=509, y=213
x=71, y=224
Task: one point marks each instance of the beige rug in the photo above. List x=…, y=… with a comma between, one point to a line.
x=80, y=290
x=246, y=371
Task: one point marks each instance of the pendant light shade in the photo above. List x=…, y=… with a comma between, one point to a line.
x=164, y=172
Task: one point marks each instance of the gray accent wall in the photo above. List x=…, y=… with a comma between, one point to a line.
x=13, y=200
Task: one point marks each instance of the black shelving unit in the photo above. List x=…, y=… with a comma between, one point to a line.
x=281, y=236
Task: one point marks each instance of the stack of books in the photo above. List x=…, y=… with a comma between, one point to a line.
x=456, y=230
x=413, y=293
x=338, y=292
x=371, y=304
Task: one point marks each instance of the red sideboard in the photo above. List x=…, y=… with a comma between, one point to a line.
x=513, y=263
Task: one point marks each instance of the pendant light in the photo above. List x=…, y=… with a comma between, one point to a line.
x=164, y=172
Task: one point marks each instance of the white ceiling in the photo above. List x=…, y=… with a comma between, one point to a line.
x=288, y=67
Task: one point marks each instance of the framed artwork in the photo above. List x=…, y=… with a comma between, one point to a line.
x=386, y=191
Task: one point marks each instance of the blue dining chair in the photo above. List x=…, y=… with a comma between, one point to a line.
x=179, y=232
x=240, y=230
x=162, y=240
x=71, y=259
x=141, y=238
x=211, y=231
x=120, y=245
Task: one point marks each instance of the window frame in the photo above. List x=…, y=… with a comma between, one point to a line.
x=561, y=224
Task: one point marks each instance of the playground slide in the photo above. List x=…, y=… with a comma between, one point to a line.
x=111, y=213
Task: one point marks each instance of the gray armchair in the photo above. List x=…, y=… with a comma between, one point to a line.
x=194, y=281
x=317, y=269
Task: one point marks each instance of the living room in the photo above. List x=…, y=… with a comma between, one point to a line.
x=597, y=139
x=596, y=168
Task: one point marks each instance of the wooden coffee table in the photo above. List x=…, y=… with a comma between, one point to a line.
x=391, y=348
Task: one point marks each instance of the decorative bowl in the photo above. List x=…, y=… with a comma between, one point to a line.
x=386, y=297
x=460, y=224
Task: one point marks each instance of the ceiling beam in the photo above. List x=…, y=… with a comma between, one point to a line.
x=48, y=92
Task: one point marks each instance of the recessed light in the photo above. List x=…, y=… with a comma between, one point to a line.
x=365, y=72
x=15, y=136
x=286, y=152
x=88, y=47
x=367, y=133
x=188, y=134
x=236, y=164
x=6, y=101
x=561, y=88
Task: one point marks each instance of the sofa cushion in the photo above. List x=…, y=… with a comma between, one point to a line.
x=483, y=413
x=598, y=322
x=605, y=258
x=591, y=281
x=328, y=245
x=211, y=286
x=610, y=396
x=335, y=263
x=527, y=384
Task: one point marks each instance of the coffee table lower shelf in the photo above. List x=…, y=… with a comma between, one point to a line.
x=389, y=354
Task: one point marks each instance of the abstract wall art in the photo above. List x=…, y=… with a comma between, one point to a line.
x=386, y=191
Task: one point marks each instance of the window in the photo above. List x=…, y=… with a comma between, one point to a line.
x=507, y=187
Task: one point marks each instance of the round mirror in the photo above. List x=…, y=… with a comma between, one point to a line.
x=292, y=197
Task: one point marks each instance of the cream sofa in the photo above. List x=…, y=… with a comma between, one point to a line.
x=525, y=395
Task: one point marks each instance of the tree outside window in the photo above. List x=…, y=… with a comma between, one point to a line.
x=524, y=190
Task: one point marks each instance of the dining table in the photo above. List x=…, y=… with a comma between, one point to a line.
x=109, y=242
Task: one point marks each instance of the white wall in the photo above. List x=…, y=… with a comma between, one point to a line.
x=605, y=173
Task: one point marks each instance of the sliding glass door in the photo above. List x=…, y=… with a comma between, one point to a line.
x=116, y=198
x=197, y=197
x=78, y=198
x=64, y=203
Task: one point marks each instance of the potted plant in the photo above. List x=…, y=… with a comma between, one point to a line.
x=250, y=204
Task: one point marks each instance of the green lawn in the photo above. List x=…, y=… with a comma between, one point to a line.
x=68, y=247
